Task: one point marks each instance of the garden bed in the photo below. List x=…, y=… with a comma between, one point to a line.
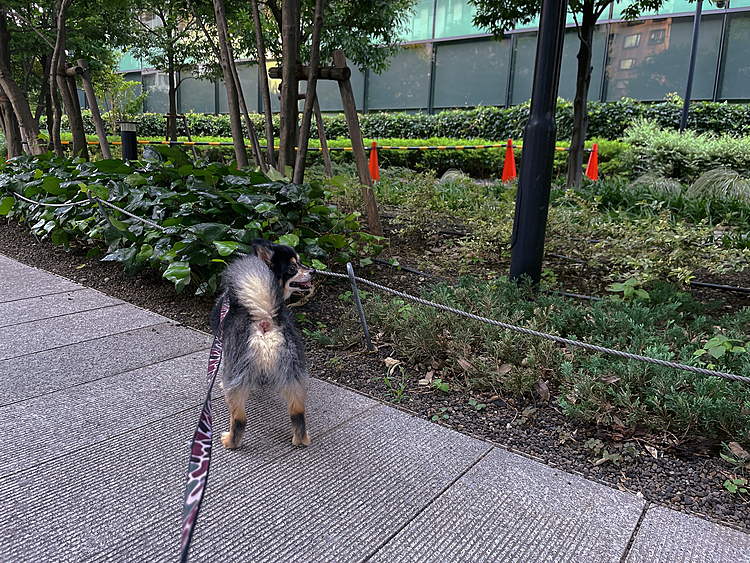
x=685, y=474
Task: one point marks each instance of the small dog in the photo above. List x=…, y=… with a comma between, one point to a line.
x=261, y=343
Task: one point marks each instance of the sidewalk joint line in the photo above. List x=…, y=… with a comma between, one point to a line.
x=428, y=504
x=637, y=528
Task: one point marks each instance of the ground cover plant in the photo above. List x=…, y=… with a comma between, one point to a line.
x=197, y=213
x=614, y=393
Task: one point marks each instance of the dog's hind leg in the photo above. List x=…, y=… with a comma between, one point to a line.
x=294, y=395
x=235, y=400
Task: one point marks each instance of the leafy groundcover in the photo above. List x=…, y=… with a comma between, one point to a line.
x=197, y=214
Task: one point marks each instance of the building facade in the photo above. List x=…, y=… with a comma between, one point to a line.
x=447, y=63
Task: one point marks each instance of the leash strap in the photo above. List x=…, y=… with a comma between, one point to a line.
x=200, y=448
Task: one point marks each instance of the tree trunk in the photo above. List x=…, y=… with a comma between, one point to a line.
x=580, y=110
x=95, y=115
x=172, y=113
x=9, y=122
x=232, y=86
x=290, y=21
x=21, y=109
x=75, y=118
x=265, y=92
x=312, y=81
x=59, y=79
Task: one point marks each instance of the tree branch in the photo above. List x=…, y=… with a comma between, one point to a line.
x=31, y=25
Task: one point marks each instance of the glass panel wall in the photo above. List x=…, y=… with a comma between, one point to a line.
x=405, y=85
x=471, y=74
x=420, y=26
x=329, y=95
x=453, y=19
x=569, y=68
x=522, y=73
x=735, y=78
x=197, y=95
x=248, y=74
x=668, y=7
x=649, y=59
x=157, y=86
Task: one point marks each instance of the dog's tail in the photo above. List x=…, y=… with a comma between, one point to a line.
x=252, y=281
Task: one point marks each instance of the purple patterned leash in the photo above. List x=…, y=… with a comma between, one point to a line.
x=200, y=448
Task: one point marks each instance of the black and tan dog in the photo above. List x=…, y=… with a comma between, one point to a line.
x=261, y=343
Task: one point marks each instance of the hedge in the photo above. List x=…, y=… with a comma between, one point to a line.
x=607, y=120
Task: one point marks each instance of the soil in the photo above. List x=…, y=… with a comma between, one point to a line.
x=685, y=474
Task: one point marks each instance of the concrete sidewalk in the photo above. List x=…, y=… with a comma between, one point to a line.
x=98, y=400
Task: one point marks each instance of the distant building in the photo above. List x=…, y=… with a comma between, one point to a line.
x=448, y=63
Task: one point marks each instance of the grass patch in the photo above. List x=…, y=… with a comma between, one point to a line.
x=601, y=389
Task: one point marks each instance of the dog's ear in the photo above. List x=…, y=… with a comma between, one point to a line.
x=263, y=250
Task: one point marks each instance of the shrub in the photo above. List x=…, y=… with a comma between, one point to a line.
x=204, y=213
x=685, y=155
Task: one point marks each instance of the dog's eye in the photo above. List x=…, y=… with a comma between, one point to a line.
x=292, y=269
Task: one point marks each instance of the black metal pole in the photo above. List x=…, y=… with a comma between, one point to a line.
x=535, y=176
x=129, y=140
x=691, y=66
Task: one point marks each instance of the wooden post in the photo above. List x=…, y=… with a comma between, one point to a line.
x=358, y=147
x=322, y=136
x=95, y=115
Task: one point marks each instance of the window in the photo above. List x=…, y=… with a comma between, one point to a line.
x=627, y=64
x=631, y=41
x=656, y=36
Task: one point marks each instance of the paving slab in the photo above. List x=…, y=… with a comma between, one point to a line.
x=667, y=536
x=51, y=370
x=46, y=334
x=53, y=425
x=107, y=500
x=338, y=500
x=18, y=281
x=14, y=313
x=509, y=508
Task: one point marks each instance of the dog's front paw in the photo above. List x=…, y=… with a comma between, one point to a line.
x=230, y=443
x=303, y=441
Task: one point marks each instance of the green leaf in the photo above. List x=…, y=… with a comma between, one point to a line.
x=274, y=175
x=226, y=247
x=124, y=255
x=265, y=207
x=119, y=225
x=6, y=205
x=185, y=170
x=58, y=237
x=146, y=252
x=289, y=240
x=318, y=265
x=717, y=351
x=51, y=184
x=100, y=191
x=177, y=271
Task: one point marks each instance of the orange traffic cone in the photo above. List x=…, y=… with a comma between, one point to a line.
x=374, y=170
x=509, y=168
x=592, y=168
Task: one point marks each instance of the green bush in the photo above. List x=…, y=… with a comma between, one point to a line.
x=607, y=120
x=684, y=156
x=206, y=212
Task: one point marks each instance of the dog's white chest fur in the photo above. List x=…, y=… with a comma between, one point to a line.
x=265, y=344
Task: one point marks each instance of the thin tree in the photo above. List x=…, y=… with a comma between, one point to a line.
x=502, y=15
